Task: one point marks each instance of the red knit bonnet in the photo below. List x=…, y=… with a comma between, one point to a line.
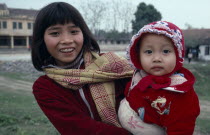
x=160, y=27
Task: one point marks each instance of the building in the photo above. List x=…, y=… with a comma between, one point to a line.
x=204, y=52
x=16, y=27
x=197, y=42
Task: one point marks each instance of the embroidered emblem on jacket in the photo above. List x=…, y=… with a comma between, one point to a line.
x=160, y=104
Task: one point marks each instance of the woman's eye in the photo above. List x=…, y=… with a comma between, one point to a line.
x=166, y=51
x=54, y=33
x=148, y=51
x=74, y=31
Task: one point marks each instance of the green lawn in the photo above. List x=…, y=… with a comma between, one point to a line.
x=201, y=72
x=202, y=88
x=20, y=114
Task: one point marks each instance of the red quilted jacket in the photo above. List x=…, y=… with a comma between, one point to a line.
x=68, y=112
x=174, y=111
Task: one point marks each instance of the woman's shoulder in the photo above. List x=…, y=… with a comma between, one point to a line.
x=43, y=79
x=42, y=82
x=45, y=87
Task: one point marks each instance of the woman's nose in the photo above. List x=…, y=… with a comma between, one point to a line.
x=66, y=39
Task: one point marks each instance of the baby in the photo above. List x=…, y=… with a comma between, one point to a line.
x=161, y=91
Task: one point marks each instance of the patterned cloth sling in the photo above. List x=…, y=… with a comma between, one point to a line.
x=99, y=73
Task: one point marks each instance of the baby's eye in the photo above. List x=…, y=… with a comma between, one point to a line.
x=148, y=51
x=166, y=51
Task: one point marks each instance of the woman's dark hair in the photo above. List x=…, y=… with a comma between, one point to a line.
x=52, y=14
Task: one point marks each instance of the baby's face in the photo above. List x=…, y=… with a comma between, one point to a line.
x=157, y=54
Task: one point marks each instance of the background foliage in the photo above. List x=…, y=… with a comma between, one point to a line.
x=145, y=14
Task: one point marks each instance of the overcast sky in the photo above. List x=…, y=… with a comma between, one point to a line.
x=181, y=12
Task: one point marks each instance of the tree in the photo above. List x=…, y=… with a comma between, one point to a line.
x=119, y=16
x=93, y=12
x=145, y=14
x=107, y=15
x=126, y=15
x=188, y=26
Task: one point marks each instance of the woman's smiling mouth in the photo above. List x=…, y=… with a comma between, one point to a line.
x=66, y=50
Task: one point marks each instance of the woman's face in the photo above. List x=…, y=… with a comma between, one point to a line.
x=64, y=42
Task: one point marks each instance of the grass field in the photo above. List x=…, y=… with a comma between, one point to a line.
x=202, y=87
x=20, y=114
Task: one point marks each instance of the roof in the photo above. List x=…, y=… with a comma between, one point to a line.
x=18, y=13
x=22, y=12
x=3, y=6
x=195, y=37
x=197, y=33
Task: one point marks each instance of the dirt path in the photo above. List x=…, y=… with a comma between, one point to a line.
x=205, y=109
x=11, y=84
x=204, y=114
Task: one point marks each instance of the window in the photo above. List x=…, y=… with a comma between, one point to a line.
x=14, y=25
x=20, y=25
x=207, y=50
x=4, y=24
x=29, y=25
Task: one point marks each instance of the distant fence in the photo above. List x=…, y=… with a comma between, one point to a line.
x=113, y=47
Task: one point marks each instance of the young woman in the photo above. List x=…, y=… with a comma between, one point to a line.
x=82, y=88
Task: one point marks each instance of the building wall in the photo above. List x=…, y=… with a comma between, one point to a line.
x=19, y=27
x=204, y=53
x=10, y=31
x=16, y=34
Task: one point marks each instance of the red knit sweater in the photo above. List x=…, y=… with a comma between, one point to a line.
x=68, y=112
